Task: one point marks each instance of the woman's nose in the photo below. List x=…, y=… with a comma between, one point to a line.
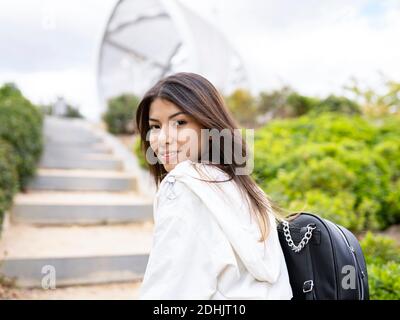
x=166, y=135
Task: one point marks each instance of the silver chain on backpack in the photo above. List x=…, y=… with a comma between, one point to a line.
x=302, y=243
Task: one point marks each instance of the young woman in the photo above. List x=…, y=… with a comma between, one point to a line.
x=215, y=230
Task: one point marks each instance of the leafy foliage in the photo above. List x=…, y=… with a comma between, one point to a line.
x=382, y=255
x=21, y=126
x=21, y=143
x=338, y=166
x=120, y=114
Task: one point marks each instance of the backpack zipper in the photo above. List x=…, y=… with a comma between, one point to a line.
x=356, y=264
x=333, y=249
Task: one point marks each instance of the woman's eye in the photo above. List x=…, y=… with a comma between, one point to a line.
x=181, y=122
x=178, y=122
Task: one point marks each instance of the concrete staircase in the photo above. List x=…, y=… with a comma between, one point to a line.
x=83, y=215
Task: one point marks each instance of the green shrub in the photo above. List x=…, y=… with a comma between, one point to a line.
x=380, y=249
x=335, y=165
x=8, y=177
x=299, y=104
x=251, y=111
x=377, y=104
x=120, y=114
x=337, y=104
x=21, y=126
x=384, y=281
x=137, y=150
x=73, y=112
x=382, y=255
x=9, y=90
x=274, y=101
x=243, y=107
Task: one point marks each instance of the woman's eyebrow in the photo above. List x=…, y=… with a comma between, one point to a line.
x=170, y=117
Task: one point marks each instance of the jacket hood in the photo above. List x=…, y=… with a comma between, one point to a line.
x=227, y=204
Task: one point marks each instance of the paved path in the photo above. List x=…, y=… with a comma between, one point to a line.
x=83, y=221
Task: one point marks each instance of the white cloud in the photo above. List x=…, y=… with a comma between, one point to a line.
x=316, y=46
x=77, y=85
x=49, y=48
x=39, y=35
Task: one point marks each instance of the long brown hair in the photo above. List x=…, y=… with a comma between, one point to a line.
x=197, y=96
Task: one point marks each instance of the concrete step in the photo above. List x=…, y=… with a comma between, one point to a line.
x=80, y=156
x=70, y=161
x=71, y=149
x=75, y=255
x=62, y=208
x=68, y=132
x=108, y=291
x=88, y=143
x=67, y=138
x=84, y=180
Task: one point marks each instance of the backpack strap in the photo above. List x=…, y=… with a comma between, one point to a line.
x=308, y=285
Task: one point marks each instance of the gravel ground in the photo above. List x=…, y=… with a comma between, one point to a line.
x=114, y=291
x=21, y=241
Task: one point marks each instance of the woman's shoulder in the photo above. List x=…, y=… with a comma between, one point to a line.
x=184, y=187
x=189, y=171
x=178, y=202
x=191, y=186
x=175, y=198
x=203, y=170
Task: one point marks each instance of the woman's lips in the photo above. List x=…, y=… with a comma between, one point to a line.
x=169, y=155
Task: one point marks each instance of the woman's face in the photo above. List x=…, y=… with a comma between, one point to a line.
x=174, y=135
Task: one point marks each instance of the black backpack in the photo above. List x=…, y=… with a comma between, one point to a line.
x=324, y=260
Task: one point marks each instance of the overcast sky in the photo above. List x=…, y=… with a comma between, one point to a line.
x=49, y=48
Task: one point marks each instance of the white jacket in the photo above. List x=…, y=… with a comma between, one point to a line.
x=205, y=243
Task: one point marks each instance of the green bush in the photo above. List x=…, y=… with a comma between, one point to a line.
x=120, y=115
x=380, y=249
x=382, y=255
x=8, y=177
x=73, y=112
x=137, y=150
x=21, y=126
x=386, y=102
x=384, y=281
x=337, y=104
x=274, y=101
x=70, y=111
x=251, y=111
x=335, y=165
x=299, y=104
x=243, y=107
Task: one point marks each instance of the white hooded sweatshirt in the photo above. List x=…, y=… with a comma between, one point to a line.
x=205, y=243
